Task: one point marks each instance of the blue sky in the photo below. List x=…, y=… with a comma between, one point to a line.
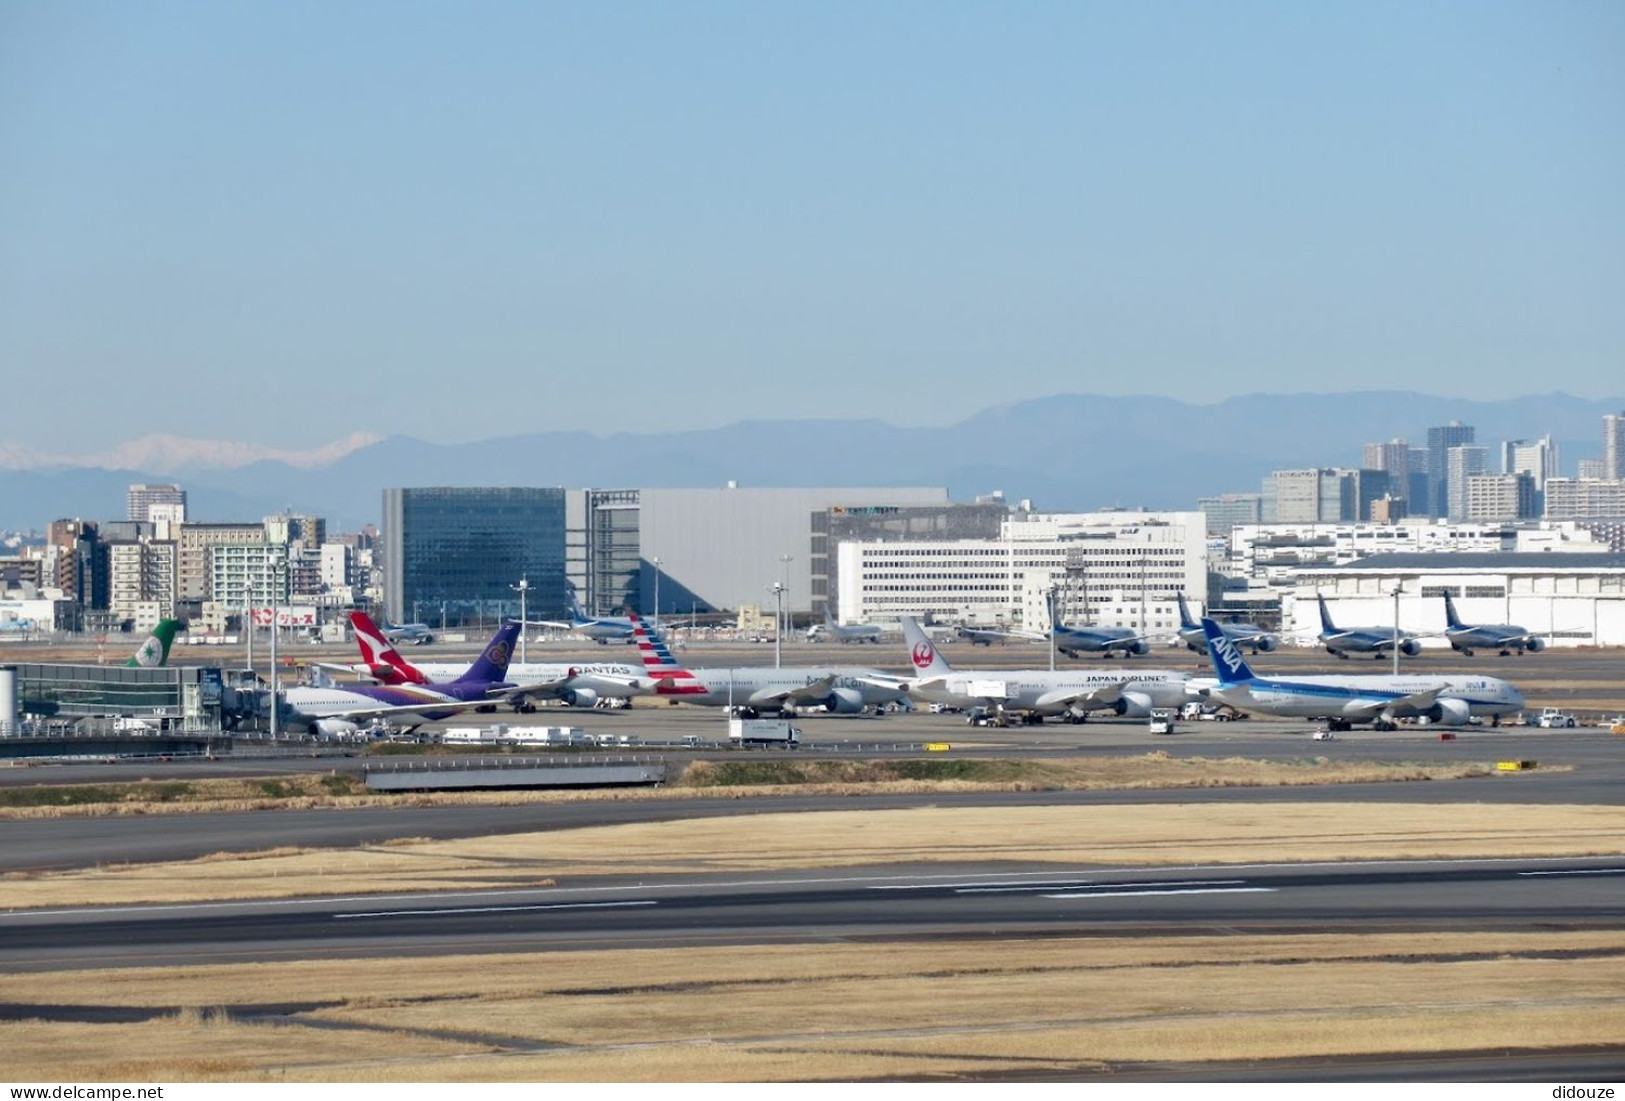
x=284, y=222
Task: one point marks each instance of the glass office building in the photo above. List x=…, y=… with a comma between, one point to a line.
x=455, y=554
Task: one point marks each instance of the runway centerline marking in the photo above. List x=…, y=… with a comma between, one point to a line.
x=1091, y=887
x=1178, y=891
x=1580, y=871
x=497, y=909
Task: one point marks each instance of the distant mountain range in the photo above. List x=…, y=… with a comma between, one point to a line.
x=1066, y=452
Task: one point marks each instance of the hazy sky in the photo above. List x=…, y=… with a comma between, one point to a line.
x=284, y=222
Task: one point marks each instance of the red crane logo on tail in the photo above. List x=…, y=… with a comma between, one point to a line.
x=923, y=655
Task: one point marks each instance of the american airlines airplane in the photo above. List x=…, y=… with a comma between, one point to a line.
x=1345, y=700
x=1034, y=694
x=751, y=691
x=578, y=685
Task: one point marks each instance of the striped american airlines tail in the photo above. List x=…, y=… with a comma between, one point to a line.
x=380, y=655
x=670, y=678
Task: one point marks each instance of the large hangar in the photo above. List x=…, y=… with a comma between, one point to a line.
x=1568, y=599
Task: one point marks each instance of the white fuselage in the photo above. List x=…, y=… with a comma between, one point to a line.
x=1027, y=690
x=764, y=687
x=1360, y=697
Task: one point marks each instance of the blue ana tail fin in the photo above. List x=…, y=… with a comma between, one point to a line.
x=1185, y=620
x=491, y=666
x=1228, y=664
x=1450, y=617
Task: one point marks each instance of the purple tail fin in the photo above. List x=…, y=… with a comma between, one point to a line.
x=492, y=665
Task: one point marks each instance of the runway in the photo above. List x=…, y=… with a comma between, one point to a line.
x=1465, y=896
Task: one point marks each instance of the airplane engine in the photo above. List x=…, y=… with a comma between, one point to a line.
x=1266, y=643
x=1450, y=712
x=580, y=697
x=1139, y=646
x=335, y=728
x=843, y=701
x=1133, y=705
x=1410, y=647
x=1535, y=645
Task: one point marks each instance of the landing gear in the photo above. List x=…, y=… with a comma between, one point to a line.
x=1383, y=726
x=1506, y=653
x=1469, y=653
x=1337, y=726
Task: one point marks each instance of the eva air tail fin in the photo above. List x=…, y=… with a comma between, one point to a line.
x=154, y=649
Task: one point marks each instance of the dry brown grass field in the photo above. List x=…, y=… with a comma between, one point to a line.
x=928, y=1008
x=1158, y=834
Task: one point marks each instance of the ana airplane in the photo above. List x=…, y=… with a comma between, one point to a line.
x=1466, y=637
x=601, y=629
x=1242, y=634
x=577, y=685
x=856, y=632
x=154, y=649
x=337, y=711
x=1375, y=641
x=1033, y=694
x=752, y=691
x=1345, y=700
x=981, y=636
x=418, y=634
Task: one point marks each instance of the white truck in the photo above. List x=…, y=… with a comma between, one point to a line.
x=778, y=732
x=1554, y=718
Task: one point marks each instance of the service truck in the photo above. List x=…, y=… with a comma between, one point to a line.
x=763, y=732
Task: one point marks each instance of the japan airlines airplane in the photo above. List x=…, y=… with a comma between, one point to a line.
x=857, y=632
x=751, y=691
x=1242, y=634
x=1375, y=641
x=1344, y=700
x=1465, y=637
x=1033, y=694
x=338, y=711
x=579, y=685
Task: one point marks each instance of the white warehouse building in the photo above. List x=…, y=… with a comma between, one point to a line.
x=1567, y=599
x=1111, y=568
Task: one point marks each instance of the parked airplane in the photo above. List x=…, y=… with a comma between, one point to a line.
x=418, y=634
x=1375, y=641
x=1345, y=700
x=577, y=685
x=154, y=649
x=601, y=629
x=751, y=691
x=1465, y=637
x=339, y=711
x=1071, y=641
x=981, y=636
x=1242, y=634
x=1034, y=694
x=856, y=632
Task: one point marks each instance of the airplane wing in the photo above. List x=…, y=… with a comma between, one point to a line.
x=816, y=690
x=1104, y=696
x=1416, y=701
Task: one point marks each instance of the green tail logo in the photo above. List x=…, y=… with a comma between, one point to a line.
x=154, y=649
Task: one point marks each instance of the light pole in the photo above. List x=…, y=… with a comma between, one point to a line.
x=784, y=577
x=277, y=564
x=777, y=589
x=1052, y=590
x=523, y=589
x=1397, y=586
x=655, y=561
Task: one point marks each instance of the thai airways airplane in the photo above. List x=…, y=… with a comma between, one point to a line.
x=579, y=685
x=337, y=711
x=751, y=691
x=1465, y=637
x=1375, y=641
x=1242, y=634
x=1033, y=694
x=856, y=632
x=1345, y=700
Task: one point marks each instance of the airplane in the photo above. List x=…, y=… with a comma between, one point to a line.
x=1034, y=694
x=1375, y=641
x=1345, y=700
x=752, y=691
x=981, y=636
x=1073, y=641
x=601, y=629
x=1242, y=634
x=417, y=634
x=857, y=632
x=154, y=649
x=1464, y=637
x=577, y=685
x=338, y=712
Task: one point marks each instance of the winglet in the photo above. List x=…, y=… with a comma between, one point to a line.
x=1228, y=664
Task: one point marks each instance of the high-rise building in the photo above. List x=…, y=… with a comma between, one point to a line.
x=1393, y=457
x=194, y=554
x=460, y=552
x=1440, y=440
x=1499, y=498
x=1539, y=460
x=139, y=498
x=1589, y=469
x=1462, y=463
x=1227, y=510
x=1584, y=498
x=1613, y=445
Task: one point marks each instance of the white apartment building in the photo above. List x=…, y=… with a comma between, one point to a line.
x=142, y=573
x=1584, y=498
x=1109, y=568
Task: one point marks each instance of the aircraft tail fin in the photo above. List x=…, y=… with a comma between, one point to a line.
x=922, y=652
x=1450, y=617
x=1185, y=620
x=154, y=649
x=378, y=653
x=1228, y=664
x=492, y=664
x=575, y=608
x=1325, y=616
x=670, y=678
